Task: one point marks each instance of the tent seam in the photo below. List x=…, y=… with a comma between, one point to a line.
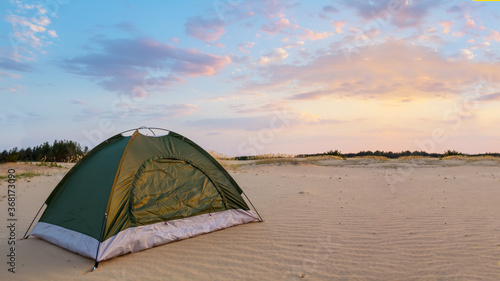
x=116, y=179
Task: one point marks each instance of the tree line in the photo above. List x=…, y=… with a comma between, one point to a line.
x=392, y=155
x=70, y=151
x=59, y=151
x=387, y=154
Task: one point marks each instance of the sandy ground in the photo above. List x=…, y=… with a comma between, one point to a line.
x=324, y=220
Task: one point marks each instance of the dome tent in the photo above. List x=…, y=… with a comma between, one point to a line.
x=132, y=193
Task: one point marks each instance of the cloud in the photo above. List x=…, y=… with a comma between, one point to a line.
x=9, y=75
x=28, y=33
x=134, y=66
x=144, y=112
x=463, y=8
x=338, y=25
x=313, y=95
x=79, y=102
x=307, y=118
x=207, y=30
x=5, y=89
x=34, y=24
x=91, y=113
x=11, y=64
x=41, y=21
x=294, y=45
x=310, y=35
x=463, y=54
x=471, y=24
x=276, y=26
x=446, y=25
x=267, y=108
x=52, y=33
x=29, y=7
x=330, y=9
x=245, y=46
x=238, y=123
x=492, y=36
x=126, y=26
x=326, y=10
x=490, y=97
x=239, y=10
x=261, y=122
x=275, y=56
x=402, y=13
x=165, y=111
x=479, y=46
x=391, y=70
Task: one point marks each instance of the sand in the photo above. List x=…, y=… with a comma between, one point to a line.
x=353, y=219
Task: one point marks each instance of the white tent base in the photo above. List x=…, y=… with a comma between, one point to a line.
x=139, y=238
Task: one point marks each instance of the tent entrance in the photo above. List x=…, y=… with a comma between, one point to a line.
x=168, y=189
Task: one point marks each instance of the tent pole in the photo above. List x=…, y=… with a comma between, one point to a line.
x=27, y=230
x=96, y=264
x=260, y=218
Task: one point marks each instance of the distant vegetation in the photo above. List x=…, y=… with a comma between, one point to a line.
x=72, y=152
x=60, y=151
x=377, y=153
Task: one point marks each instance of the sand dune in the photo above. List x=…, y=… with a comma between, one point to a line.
x=330, y=220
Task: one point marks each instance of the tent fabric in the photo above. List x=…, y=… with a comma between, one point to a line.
x=84, y=192
x=152, y=200
x=139, y=238
x=69, y=239
x=121, y=194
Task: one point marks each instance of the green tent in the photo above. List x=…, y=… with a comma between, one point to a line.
x=135, y=192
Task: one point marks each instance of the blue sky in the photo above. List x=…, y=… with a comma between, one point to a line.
x=251, y=77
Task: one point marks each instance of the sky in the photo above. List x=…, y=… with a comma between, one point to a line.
x=252, y=77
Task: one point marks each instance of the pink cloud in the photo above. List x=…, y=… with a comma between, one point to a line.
x=12, y=90
x=29, y=33
x=446, y=26
x=276, y=26
x=309, y=34
x=52, y=33
x=471, y=24
x=492, y=36
x=394, y=69
x=338, y=25
x=245, y=47
x=268, y=107
x=206, y=30
x=276, y=56
x=35, y=25
x=218, y=45
x=134, y=66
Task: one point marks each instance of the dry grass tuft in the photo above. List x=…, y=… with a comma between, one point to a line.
x=219, y=156
x=382, y=158
x=324, y=157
